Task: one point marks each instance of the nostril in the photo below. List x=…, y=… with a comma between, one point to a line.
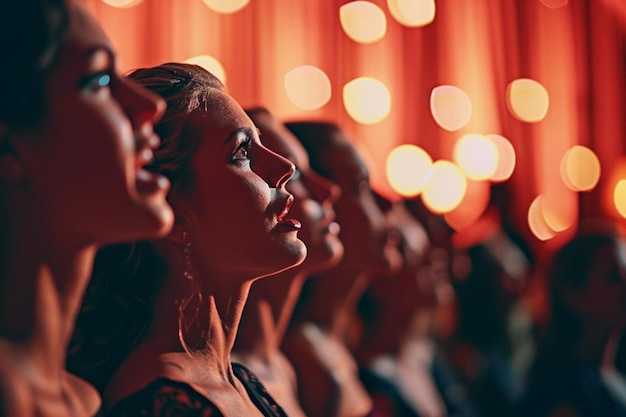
x=282, y=179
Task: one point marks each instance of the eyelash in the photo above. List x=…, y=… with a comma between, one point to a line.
x=241, y=153
x=96, y=81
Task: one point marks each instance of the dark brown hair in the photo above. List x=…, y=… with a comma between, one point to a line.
x=31, y=34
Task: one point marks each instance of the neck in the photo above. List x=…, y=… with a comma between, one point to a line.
x=269, y=308
x=41, y=290
x=212, y=304
x=334, y=298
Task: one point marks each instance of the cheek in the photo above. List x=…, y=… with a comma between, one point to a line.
x=232, y=204
x=100, y=131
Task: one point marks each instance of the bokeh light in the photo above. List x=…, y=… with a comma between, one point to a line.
x=472, y=205
x=307, y=87
x=366, y=100
x=619, y=197
x=362, y=21
x=122, y=3
x=580, y=168
x=412, y=13
x=536, y=221
x=527, y=100
x=226, y=6
x=506, y=158
x=558, y=214
x=450, y=106
x=554, y=4
x=408, y=169
x=477, y=156
x=446, y=187
x=210, y=64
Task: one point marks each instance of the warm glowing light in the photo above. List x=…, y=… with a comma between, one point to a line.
x=412, y=13
x=210, y=64
x=362, y=21
x=554, y=4
x=557, y=214
x=450, y=106
x=477, y=156
x=366, y=100
x=536, y=221
x=619, y=197
x=226, y=6
x=408, y=169
x=580, y=168
x=307, y=87
x=446, y=187
x=528, y=100
x=506, y=158
x=122, y=3
x=472, y=206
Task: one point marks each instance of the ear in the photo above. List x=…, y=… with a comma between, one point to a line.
x=11, y=167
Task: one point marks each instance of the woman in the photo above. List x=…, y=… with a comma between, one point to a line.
x=74, y=135
x=271, y=301
x=575, y=372
x=232, y=226
x=317, y=343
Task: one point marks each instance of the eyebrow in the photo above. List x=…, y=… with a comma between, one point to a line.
x=237, y=131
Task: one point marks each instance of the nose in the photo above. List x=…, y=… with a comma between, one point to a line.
x=322, y=189
x=143, y=107
x=273, y=168
x=393, y=237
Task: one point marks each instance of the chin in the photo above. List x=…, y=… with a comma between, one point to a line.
x=296, y=254
x=154, y=223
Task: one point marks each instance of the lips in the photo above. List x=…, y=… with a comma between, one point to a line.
x=282, y=219
x=333, y=228
x=148, y=182
x=328, y=224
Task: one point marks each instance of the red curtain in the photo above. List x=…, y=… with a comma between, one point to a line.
x=577, y=52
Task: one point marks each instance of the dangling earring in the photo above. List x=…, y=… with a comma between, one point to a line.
x=183, y=324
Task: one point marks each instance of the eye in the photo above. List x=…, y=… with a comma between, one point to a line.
x=96, y=81
x=241, y=153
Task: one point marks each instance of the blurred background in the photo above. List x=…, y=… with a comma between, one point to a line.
x=444, y=99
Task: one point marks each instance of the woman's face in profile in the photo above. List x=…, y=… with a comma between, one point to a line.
x=314, y=196
x=84, y=159
x=364, y=229
x=239, y=208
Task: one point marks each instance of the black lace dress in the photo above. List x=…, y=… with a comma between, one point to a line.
x=164, y=397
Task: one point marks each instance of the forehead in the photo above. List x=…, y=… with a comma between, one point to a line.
x=84, y=32
x=222, y=115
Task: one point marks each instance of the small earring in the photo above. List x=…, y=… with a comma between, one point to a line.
x=183, y=324
x=187, y=273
